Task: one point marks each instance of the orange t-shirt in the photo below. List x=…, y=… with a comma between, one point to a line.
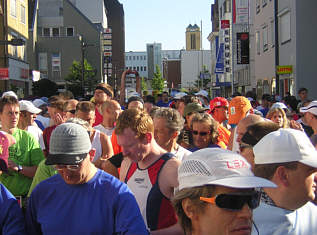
x=224, y=135
x=116, y=148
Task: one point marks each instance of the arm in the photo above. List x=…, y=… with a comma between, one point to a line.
x=230, y=144
x=107, y=166
x=28, y=171
x=124, y=168
x=106, y=146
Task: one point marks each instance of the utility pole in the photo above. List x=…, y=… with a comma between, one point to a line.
x=277, y=56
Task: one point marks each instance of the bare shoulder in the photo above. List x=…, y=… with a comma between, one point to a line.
x=168, y=175
x=124, y=168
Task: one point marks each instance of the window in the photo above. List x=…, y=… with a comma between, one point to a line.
x=129, y=57
x=285, y=27
x=257, y=41
x=144, y=68
x=265, y=38
x=126, y=68
x=264, y=3
x=144, y=57
x=193, y=41
x=227, y=6
x=220, y=11
x=42, y=56
x=70, y=32
x=257, y=6
x=46, y=32
x=133, y=57
x=55, y=32
x=56, y=62
x=22, y=14
x=130, y=68
x=137, y=58
x=137, y=68
x=13, y=8
x=141, y=68
x=272, y=33
x=133, y=68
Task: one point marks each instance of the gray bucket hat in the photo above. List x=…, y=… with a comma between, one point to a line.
x=69, y=145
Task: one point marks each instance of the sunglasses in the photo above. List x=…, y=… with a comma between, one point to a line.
x=203, y=133
x=234, y=201
x=68, y=167
x=73, y=111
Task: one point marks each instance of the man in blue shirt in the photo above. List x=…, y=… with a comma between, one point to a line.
x=81, y=199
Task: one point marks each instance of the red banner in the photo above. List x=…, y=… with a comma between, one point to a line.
x=225, y=24
x=4, y=73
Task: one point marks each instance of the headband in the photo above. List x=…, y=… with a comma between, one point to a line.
x=105, y=90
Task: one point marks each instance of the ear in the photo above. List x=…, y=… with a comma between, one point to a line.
x=282, y=175
x=148, y=137
x=175, y=134
x=189, y=208
x=92, y=153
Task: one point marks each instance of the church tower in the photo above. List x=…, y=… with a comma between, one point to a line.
x=192, y=37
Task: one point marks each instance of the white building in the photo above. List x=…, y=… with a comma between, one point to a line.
x=137, y=61
x=192, y=63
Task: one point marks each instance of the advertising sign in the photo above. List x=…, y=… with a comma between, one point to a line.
x=220, y=60
x=243, y=48
x=240, y=11
x=225, y=24
x=4, y=73
x=285, y=69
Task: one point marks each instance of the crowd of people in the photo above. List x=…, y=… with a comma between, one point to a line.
x=174, y=164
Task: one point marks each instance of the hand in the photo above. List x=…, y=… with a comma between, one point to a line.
x=295, y=125
x=58, y=119
x=12, y=165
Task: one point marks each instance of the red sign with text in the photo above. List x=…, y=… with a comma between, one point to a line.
x=225, y=24
x=4, y=73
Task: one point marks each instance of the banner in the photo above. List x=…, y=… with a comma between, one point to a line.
x=240, y=11
x=243, y=48
x=220, y=60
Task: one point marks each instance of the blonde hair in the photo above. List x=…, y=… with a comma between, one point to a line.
x=139, y=121
x=271, y=112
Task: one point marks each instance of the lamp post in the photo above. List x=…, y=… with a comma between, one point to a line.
x=83, y=46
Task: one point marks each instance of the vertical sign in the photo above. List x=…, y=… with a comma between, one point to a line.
x=243, y=48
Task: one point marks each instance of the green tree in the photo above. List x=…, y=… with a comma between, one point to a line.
x=74, y=78
x=143, y=84
x=157, y=81
x=44, y=87
x=203, y=79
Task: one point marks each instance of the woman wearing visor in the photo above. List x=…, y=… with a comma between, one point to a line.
x=217, y=193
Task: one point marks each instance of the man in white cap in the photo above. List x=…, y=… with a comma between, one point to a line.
x=27, y=118
x=217, y=193
x=80, y=199
x=310, y=114
x=287, y=158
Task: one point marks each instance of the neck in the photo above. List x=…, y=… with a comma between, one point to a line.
x=92, y=172
x=283, y=199
x=8, y=130
x=22, y=125
x=107, y=123
x=155, y=153
x=172, y=146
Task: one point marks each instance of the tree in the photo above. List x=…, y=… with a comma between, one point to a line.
x=203, y=79
x=44, y=87
x=157, y=81
x=74, y=78
x=143, y=84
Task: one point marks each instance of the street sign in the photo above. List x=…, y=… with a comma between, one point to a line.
x=285, y=69
x=107, y=30
x=107, y=48
x=107, y=36
x=107, y=42
x=107, y=53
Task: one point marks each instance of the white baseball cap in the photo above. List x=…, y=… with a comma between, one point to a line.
x=202, y=93
x=26, y=105
x=285, y=145
x=279, y=105
x=38, y=102
x=311, y=108
x=10, y=93
x=216, y=166
x=179, y=95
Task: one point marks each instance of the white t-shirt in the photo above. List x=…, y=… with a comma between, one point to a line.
x=272, y=220
x=38, y=134
x=181, y=152
x=44, y=120
x=107, y=131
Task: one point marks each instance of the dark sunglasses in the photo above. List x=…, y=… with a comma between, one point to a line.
x=200, y=133
x=73, y=111
x=234, y=201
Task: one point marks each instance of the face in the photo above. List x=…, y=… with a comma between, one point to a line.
x=303, y=95
x=29, y=117
x=88, y=117
x=203, y=137
x=165, y=97
x=78, y=176
x=10, y=116
x=135, y=105
x=71, y=107
x=278, y=118
x=132, y=147
x=217, y=221
x=115, y=111
x=100, y=96
x=148, y=107
x=302, y=183
x=221, y=114
x=180, y=107
x=162, y=135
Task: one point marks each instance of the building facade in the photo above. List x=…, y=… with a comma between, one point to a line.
x=14, y=68
x=154, y=58
x=193, y=39
x=137, y=61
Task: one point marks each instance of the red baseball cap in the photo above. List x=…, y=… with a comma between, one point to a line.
x=218, y=102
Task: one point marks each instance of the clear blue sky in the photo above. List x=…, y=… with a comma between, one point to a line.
x=164, y=21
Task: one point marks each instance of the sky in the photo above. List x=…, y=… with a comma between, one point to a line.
x=164, y=21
